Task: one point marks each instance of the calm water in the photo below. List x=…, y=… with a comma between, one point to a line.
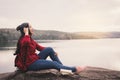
x=91, y=52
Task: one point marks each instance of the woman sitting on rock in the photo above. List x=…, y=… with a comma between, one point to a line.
x=26, y=58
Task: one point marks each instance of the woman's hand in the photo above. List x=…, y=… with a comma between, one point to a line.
x=26, y=31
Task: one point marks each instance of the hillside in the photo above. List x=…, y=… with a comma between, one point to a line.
x=91, y=35
x=12, y=34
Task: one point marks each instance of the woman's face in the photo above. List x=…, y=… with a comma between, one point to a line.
x=31, y=29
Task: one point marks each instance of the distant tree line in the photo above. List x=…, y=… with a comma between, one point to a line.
x=7, y=35
x=12, y=35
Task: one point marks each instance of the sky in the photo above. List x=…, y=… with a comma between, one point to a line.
x=62, y=15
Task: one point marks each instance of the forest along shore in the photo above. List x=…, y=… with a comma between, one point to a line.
x=9, y=37
x=12, y=34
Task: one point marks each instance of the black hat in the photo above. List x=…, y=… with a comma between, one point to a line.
x=20, y=27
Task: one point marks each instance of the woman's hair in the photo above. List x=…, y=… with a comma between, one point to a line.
x=21, y=29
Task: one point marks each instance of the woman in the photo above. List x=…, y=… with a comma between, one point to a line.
x=26, y=58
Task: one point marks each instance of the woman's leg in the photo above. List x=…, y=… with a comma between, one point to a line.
x=47, y=64
x=48, y=51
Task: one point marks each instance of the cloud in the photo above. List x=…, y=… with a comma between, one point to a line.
x=62, y=14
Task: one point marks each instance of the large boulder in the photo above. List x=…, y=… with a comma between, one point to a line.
x=90, y=73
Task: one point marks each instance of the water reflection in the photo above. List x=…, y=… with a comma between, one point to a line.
x=95, y=52
x=13, y=43
x=6, y=61
x=8, y=44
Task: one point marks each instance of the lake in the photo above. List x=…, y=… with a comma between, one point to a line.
x=103, y=53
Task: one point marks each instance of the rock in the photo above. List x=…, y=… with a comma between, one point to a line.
x=90, y=73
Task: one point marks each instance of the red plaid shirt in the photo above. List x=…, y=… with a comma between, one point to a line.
x=27, y=53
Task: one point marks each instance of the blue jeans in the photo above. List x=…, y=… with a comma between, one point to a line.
x=42, y=63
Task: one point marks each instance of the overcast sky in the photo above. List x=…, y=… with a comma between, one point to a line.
x=62, y=15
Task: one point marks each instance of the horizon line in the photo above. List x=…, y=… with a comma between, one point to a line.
x=64, y=31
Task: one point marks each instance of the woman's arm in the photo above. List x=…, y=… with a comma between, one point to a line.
x=39, y=47
x=26, y=38
x=26, y=31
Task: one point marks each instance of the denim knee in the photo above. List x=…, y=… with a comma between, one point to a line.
x=49, y=49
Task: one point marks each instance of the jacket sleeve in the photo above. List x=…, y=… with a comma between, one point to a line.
x=39, y=47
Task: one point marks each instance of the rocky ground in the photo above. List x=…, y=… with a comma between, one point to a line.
x=90, y=73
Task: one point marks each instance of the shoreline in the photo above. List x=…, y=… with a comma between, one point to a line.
x=7, y=48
